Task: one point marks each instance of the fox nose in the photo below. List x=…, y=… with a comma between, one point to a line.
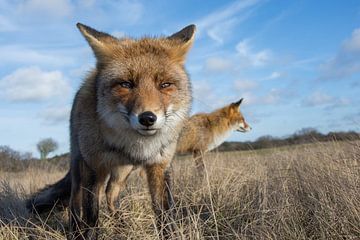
x=147, y=118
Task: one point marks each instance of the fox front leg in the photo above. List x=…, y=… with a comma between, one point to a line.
x=159, y=182
x=75, y=199
x=92, y=183
x=116, y=185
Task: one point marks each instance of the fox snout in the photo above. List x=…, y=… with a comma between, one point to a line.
x=147, y=119
x=147, y=123
x=243, y=127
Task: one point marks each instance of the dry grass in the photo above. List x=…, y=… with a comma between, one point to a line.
x=302, y=192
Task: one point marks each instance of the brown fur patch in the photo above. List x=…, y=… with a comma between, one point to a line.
x=202, y=128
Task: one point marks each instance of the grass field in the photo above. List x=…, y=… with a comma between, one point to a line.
x=301, y=192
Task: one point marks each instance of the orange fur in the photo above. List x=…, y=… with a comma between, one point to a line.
x=201, y=129
x=197, y=136
x=135, y=81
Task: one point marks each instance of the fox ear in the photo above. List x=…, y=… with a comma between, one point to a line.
x=237, y=104
x=97, y=40
x=183, y=41
x=186, y=34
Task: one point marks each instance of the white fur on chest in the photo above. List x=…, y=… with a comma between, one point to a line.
x=219, y=139
x=146, y=149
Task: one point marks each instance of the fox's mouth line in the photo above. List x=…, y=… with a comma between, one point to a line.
x=241, y=129
x=149, y=129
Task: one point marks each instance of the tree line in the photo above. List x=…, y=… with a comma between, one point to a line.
x=12, y=160
x=305, y=135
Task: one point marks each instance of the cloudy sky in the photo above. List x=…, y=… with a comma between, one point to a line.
x=296, y=63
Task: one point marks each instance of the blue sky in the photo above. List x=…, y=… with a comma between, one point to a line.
x=296, y=63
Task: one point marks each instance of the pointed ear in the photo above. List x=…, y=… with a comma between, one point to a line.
x=186, y=34
x=98, y=41
x=237, y=104
x=182, y=42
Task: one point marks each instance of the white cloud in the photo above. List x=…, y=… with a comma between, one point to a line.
x=33, y=84
x=208, y=98
x=23, y=55
x=353, y=44
x=218, y=24
x=249, y=97
x=203, y=96
x=339, y=103
x=250, y=57
x=52, y=8
x=322, y=99
x=202, y=91
x=274, y=75
x=273, y=97
x=317, y=99
x=216, y=64
x=244, y=56
x=43, y=14
x=219, y=32
x=123, y=12
x=346, y=62
x=56, y=114
x=245, y=85
x=81, y=71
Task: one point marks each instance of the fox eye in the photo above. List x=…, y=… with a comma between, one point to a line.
x=126, y=84
x=165, y=85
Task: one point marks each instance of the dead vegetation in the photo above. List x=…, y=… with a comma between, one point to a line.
x=299, y=192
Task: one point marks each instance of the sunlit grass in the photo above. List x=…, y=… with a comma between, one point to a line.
x=301, y=192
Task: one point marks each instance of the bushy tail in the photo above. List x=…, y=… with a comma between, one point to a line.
x=55, y=195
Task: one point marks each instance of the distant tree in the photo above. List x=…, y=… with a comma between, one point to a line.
x=307, y=131
x=266, y=138
x=265, y=141
x=46, y=146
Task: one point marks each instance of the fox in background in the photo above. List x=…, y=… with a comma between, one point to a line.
x=206, y=131
x=202, y=133
x=128, y=112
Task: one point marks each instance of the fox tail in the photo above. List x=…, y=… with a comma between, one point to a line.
x=55, y=195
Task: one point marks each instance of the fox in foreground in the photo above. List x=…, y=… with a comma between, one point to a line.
x=128, y=112
x=202, y=133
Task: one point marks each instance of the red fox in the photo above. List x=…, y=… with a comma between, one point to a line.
x=128, y=112
x=201, y=133
x=206, y=131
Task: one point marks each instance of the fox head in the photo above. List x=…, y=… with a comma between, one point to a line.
x=236, y=118
x=141, y=83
